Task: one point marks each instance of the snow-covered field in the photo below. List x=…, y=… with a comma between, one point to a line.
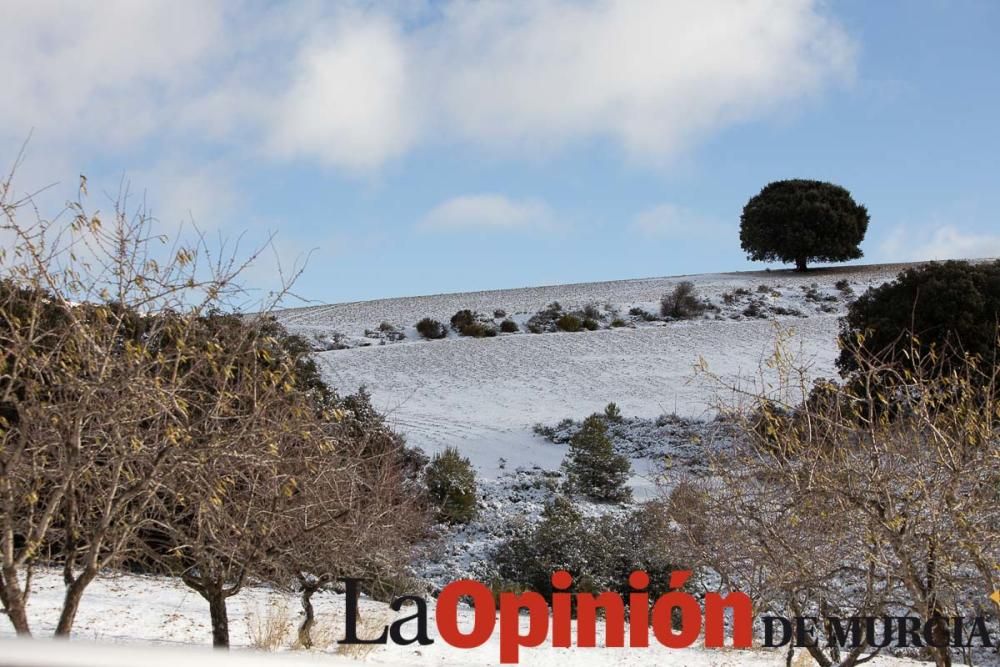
x=484, y=396
x=121, y=613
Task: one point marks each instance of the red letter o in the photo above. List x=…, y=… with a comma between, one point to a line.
x=447, y=613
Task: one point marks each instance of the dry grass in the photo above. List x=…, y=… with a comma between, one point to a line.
x=370, y=624
x=803, y=659
x=270, y=626
x=325, y=633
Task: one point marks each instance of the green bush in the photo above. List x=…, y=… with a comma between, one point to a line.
x=569, y=322
x=952, y=307
x=593, y=468
x=451, y=483
x=509, y=326
x=599, y=553
x=683, y=303
x=545, y=320
x=612, y=412
x=618, y=322
x=431, y=329
x=466, y=323
x=479, y=330
x=462, y=319
x=641, y=314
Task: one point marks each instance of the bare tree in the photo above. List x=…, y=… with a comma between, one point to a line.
x=856, y=498
x=88, y=399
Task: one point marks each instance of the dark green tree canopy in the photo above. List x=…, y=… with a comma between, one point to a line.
x=953, y=307
x=802, y=221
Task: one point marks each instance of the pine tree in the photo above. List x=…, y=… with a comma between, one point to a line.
x=592, y=466
x=451, y=482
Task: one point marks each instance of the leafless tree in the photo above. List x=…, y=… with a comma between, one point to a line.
x=89, y=394
x=872, y=495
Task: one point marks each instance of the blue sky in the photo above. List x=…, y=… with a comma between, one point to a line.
x=424, y=147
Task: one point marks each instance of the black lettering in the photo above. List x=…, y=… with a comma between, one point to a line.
x=420, y=616
x=352, y=593
x=786, y=631
x=805, y=636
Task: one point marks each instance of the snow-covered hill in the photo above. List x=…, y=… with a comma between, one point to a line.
x=484, y=395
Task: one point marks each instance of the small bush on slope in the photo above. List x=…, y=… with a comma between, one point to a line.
x=683, y=303
x=569, y=322
x=431, y=329
x=467, y=323
x=544, y=321
x=592, y=466
x=509, y=326
x=599, y=553
x=462, y=319
x=451, y=482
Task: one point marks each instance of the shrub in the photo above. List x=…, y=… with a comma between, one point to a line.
x=618, y=322
x=844, y=286
x=612, y=412
x=431, y=329
x=592, y=311
x=593, y=468
x=462, y=319
x=599, y=553
x=466, y=323
x=591, y=325
x=479, y=330
x=509, y=326
x=951, y=307
x=569, y=322
x=641, y=314
x=545, y=320
x=682, y=303
x=755, y=309
x=385, y=332
x=801, y=221
x=499, y=314
x=451, y=483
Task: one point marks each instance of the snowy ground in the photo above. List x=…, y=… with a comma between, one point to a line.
x=130, y=611
x=483, y=395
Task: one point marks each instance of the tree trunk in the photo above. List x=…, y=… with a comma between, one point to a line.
x=71, y=603
x=220, y=615
x=305, y=630
x=800, y=264
x=13, y=602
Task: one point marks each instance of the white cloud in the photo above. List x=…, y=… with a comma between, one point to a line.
x=671, y=221
x=487, y=212
x=356, y=85
x=651, y=75
x=107, y=73
x=180, y=193
x=349, y=105
x=942, y=242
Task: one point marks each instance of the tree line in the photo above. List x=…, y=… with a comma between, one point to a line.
x=146, y=423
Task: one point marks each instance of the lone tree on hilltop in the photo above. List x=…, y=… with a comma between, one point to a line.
x=801, y=221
